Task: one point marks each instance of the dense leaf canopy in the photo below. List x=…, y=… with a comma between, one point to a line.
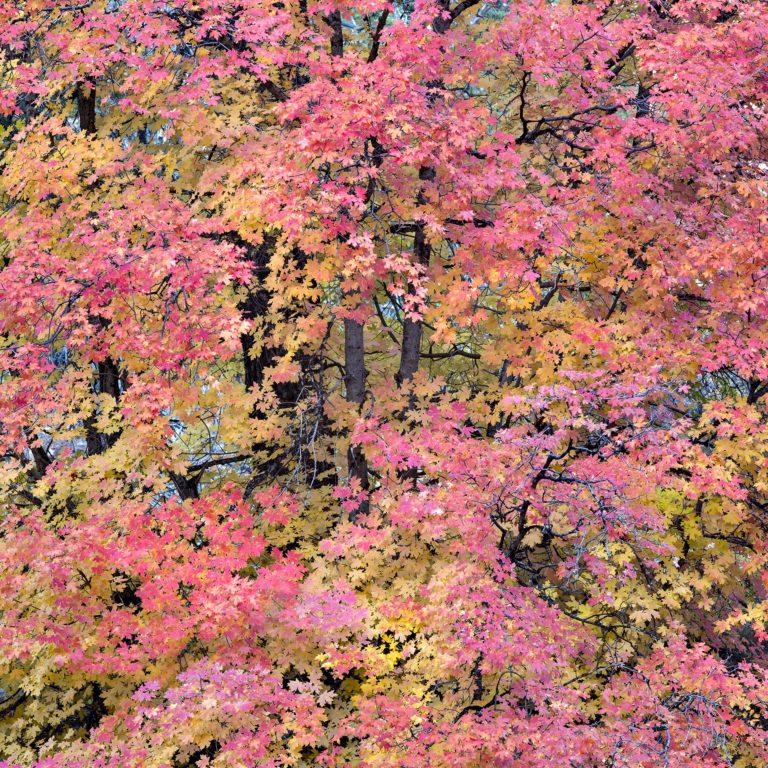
x=384, y=383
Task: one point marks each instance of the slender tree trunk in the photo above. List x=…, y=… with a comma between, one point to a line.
x=107, y=372
x=354, y=381
x=337, y=33
x=354, y=335
x=86, y=108
x=410, y=352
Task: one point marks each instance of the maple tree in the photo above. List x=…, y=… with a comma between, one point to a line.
x=383, y=383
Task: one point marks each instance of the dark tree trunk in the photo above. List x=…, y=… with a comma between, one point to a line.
x=354, y=381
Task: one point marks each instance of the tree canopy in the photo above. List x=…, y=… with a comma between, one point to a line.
x=383, y=383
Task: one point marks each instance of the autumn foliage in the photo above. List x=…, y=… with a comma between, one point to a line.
x=384, y=383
